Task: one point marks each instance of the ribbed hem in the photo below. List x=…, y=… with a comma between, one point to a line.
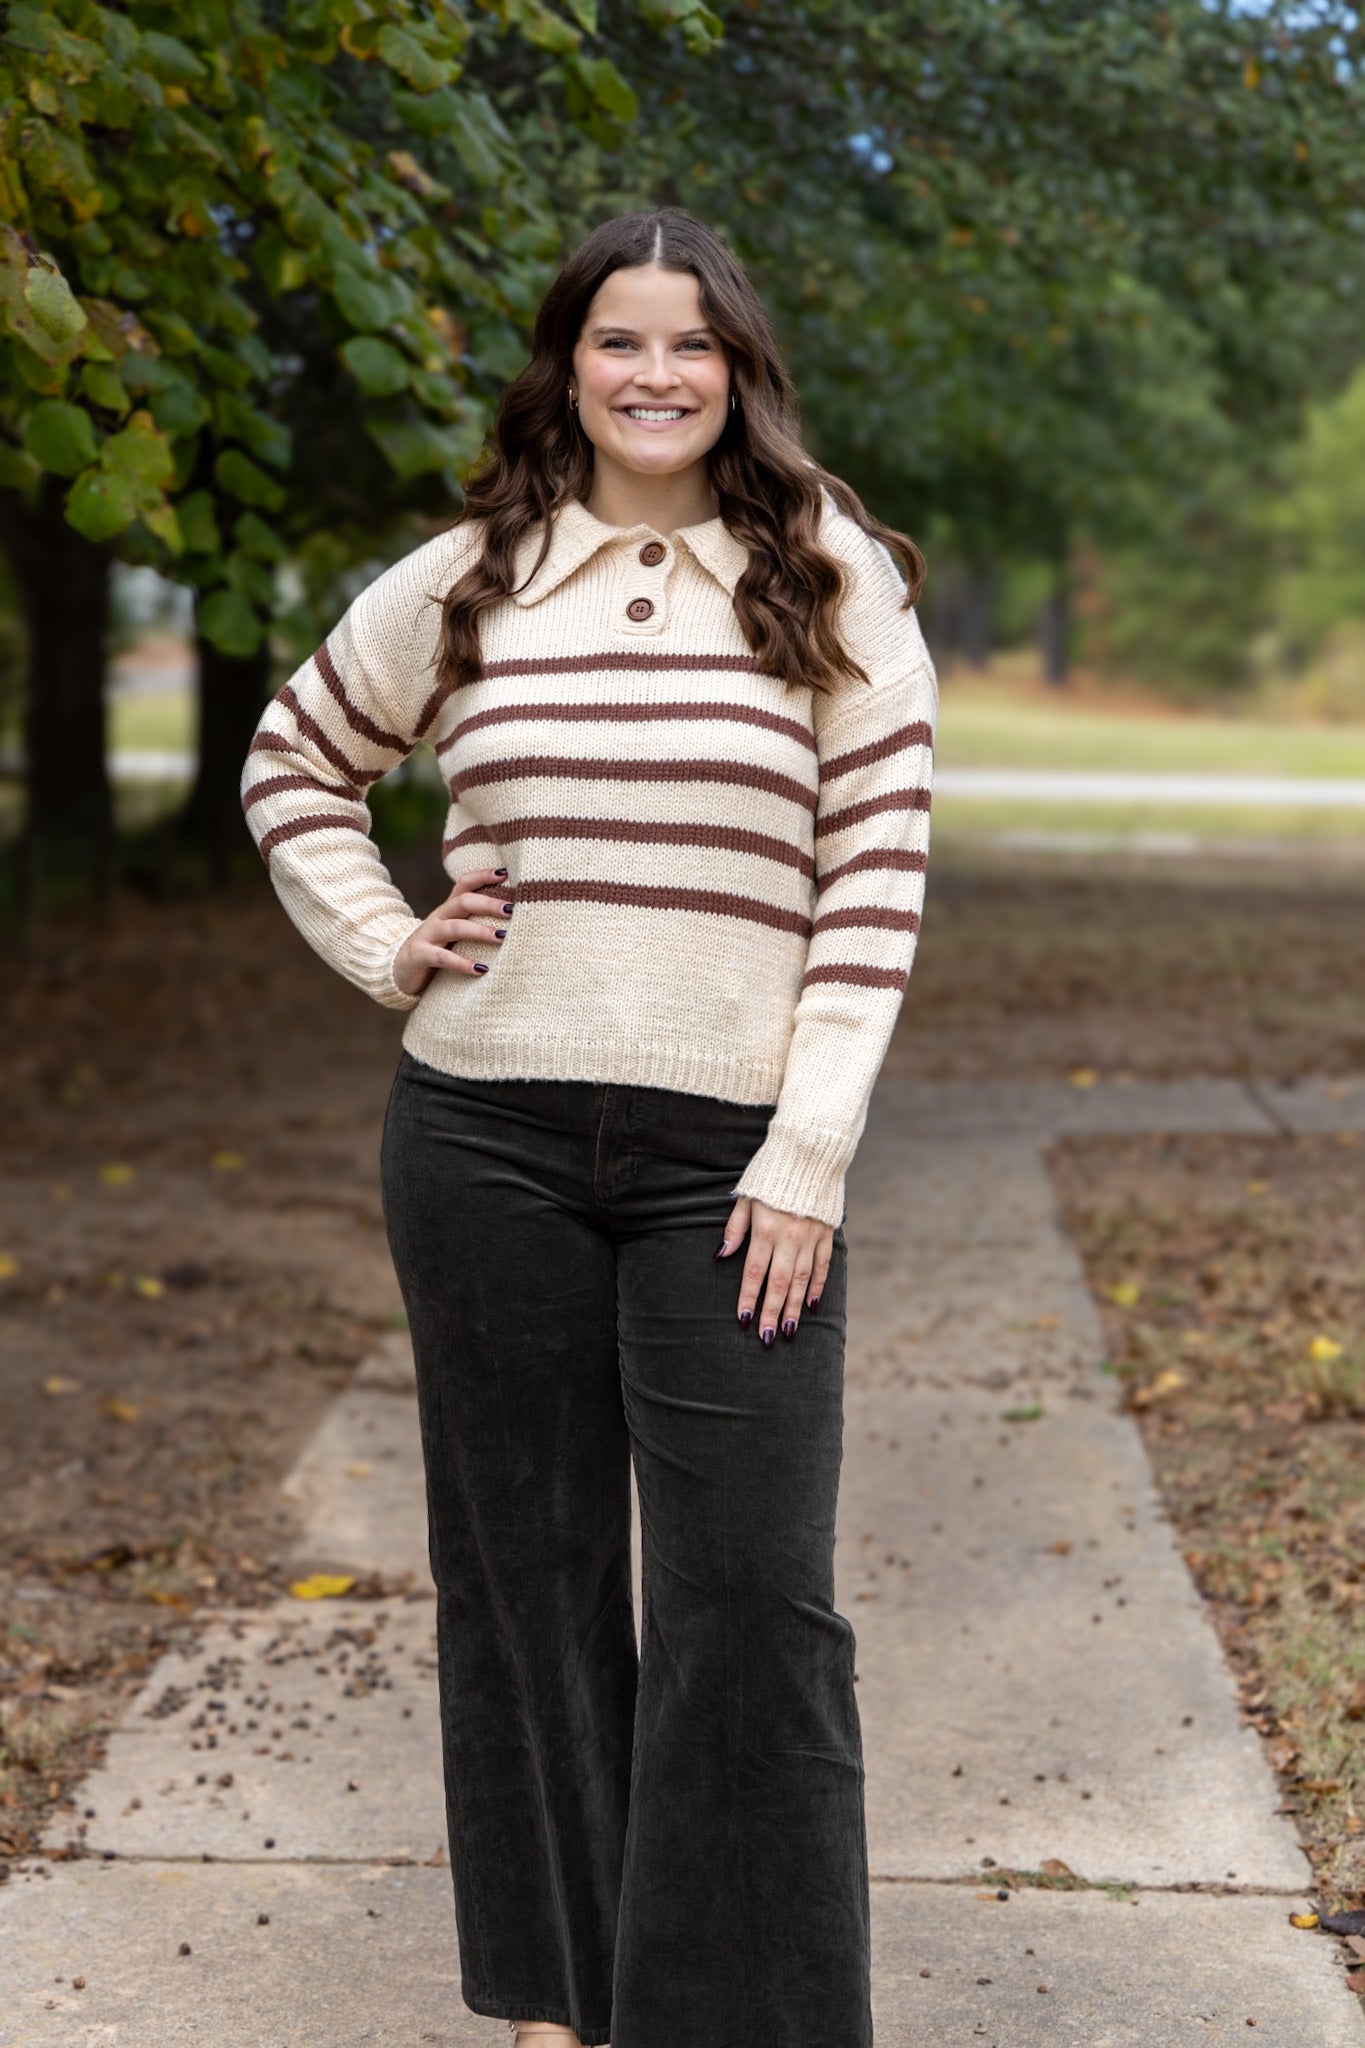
x=801, y=1172
x=549, y=1056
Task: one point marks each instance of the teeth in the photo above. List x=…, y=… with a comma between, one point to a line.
x=647, y=412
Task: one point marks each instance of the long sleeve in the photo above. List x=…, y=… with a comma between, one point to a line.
x=875, y=749
x=351, y=712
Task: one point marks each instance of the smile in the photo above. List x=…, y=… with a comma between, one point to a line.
x=658, y=414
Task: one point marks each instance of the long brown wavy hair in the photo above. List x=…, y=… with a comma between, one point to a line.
x=769, y=489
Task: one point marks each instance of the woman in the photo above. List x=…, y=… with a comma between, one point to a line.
x=673, y=680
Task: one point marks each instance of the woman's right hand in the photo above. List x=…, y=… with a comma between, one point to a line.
x=427, y=950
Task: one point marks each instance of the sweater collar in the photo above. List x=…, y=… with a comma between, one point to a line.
x=577, y=535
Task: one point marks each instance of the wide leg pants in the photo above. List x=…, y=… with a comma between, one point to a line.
x=667, y=1852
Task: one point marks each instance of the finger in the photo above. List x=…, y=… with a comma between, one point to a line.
x=755, y=1266
x=796, y=1290
x=779, y=1284
x=736, y=1229
x=442, y=959
x=444, y=931
x=478, y=878
x=824, y=1253
x=471, y=904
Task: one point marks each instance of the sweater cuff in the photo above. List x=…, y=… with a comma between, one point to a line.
x=373, y=968
x=801, y=1171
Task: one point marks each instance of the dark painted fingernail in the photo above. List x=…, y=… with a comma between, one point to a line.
x=814, y=1303
x=499, y=871
x=768, y=1336
x=789, y=1327
x=721, y=1249
x=501, y=933
x=481, y=967
x=746, y=1316
x=507, y=909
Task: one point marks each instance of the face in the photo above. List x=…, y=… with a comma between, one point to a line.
x=649, y=373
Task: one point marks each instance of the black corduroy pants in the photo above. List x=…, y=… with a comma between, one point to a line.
x=669, y=1851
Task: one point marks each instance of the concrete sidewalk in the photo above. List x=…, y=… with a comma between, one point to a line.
x=1036, y=1677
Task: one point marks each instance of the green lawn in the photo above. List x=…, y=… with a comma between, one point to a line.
x=163, y=719
x=980, y=731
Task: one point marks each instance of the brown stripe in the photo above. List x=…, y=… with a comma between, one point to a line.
x=900, y=742
x=574, y=767
x=355, y=717
x=630, y=714
x=295, y=826
x=628, y=832
x=640, y=664
x=273, y=784
x=642, y=896
x=858, y=977
x=311, y=730
x=907, y=860
x=431, y=707
x=871, y=920
x=872, y=807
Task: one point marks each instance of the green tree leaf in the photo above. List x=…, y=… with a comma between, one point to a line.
x=229, y=622
x=54, y=304
x=101, y=505
x=241, y=479
x=61, y=437
x=199, y=524
x=366, y=303
x=140, y=454
x=378, y=367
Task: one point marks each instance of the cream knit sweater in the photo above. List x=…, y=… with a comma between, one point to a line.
x=759, y=848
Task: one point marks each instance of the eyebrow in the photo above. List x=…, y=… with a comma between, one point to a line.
x=620, y=327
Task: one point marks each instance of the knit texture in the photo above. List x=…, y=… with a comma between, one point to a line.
x=718, y=876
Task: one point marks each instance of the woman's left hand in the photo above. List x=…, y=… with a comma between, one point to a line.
x=793, y=1252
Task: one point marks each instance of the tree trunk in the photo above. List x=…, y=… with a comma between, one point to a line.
x=232, y=694
x=63, y=582
x=978, y=604
x=1054, y=630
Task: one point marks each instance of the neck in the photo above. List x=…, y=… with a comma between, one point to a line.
x=622, y=497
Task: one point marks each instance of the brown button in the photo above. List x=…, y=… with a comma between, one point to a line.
x=652, y=553
x=640, y=608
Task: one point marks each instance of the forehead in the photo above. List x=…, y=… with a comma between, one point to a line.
x=645, y=298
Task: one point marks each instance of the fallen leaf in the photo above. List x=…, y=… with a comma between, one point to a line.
x=1160, y=1389
x=1323, y=1350
x=1083, y=1077
x=58, y=1383
x=1124, y=1293
x=147, y=1284
x=227, y=1162
x=117, y=1409
x=359, y=1470
x=1303, y=1919
x=1053, y=1866
x=322, y=1586
x=1342, y=1923
x=116, y=1174
x=1061, y=1548
x=1257, y=1187
x=9, y=1265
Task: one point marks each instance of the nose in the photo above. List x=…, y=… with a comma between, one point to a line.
x=657, y=373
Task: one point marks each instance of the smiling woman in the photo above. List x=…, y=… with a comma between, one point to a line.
x=685, y=715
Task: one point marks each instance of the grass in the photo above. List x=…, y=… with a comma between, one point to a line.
x=1163, y=827
x=984, y=729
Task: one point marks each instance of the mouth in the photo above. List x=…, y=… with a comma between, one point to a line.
x=656, y=415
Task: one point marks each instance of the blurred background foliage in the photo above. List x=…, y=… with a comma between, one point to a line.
x=1071, y=289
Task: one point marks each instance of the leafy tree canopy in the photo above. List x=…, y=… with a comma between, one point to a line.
x=168, y=173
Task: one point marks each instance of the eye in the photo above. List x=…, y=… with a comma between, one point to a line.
x=697, y=341
x=618, y=341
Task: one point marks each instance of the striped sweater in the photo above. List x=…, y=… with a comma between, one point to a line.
x=717, y=876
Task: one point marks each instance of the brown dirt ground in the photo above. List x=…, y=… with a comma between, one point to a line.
x=191, y=1241
x=1230, y=1274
